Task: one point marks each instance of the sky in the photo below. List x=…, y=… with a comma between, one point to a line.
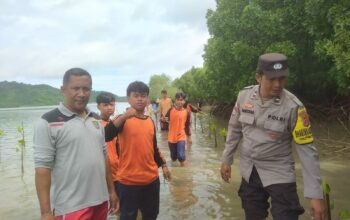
x=116, y=41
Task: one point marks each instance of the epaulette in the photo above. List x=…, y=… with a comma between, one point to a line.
x=249, y=87
x=293, y=98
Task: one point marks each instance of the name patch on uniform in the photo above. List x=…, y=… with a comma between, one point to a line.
x=302, y=131
x=248, y=111
x=276, y=118
x=248, y=108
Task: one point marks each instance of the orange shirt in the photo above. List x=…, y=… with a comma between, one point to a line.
x=165, y=105
x=112, y=154
x=179, y=124
x=139, y=156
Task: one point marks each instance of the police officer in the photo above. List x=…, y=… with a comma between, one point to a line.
x=267, y=119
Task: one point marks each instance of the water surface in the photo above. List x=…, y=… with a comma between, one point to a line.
x=195, y=192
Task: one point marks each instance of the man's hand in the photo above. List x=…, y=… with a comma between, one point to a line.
x=131, y=112
x=113, y=203
x=164, y=119
x=225, y=172
x=166, y=172
x=189, y=140
x=47, y=216
x=317, y=209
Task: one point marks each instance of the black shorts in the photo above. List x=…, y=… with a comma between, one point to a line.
x=139, y=197
x=284, y=199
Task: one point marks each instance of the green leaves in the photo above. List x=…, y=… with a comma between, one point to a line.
x=21, y=145
x=213, y=126
x=344, y=215
x=325, y=187
x=21, y=142
x=159, y=82
x=20, y=129
x=194, y=84
x=223, y=132
x=333, y=39
x=314, y=34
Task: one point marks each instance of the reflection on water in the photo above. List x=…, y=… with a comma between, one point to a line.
x=195, y=192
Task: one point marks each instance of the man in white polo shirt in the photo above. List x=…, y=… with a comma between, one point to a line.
x=71, y=169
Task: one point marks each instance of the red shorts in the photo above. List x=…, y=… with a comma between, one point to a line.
x=98, y=212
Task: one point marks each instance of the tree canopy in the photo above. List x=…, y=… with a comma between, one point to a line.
x=314, y=34
x=159, y=82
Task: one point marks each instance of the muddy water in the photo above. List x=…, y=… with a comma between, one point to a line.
x=195, y=191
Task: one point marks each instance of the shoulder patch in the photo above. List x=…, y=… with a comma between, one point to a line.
x=302, y=131
x=234, y=110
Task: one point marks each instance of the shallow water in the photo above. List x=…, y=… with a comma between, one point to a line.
x=195, y=192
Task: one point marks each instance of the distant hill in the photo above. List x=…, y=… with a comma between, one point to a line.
x=14, y=94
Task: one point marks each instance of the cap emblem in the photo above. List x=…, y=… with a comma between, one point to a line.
x=277, y=66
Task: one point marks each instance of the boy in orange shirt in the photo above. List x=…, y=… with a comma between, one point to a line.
x=106, y=105
x=139, y=157
x=165, y=104
x=179, y=128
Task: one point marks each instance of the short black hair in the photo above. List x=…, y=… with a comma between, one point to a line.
x=75, y=72
x=180, y=95
x=137, y=86
x=164, y=91
x=105, y=97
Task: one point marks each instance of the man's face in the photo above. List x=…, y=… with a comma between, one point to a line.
x=164, y=95
x=179, y=102
x=271, y=87
x=106, y=109
x=138, y=100
x=77, y=93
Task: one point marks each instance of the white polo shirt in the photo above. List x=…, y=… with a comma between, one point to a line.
x=74, y=149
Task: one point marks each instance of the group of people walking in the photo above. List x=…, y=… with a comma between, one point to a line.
x=88, y=166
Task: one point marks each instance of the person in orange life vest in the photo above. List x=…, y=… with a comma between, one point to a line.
x=138, y=184
x=179, y=128
x=165, y=104
x=106, y=105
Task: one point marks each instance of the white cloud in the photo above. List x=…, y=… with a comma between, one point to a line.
x=117, y=41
